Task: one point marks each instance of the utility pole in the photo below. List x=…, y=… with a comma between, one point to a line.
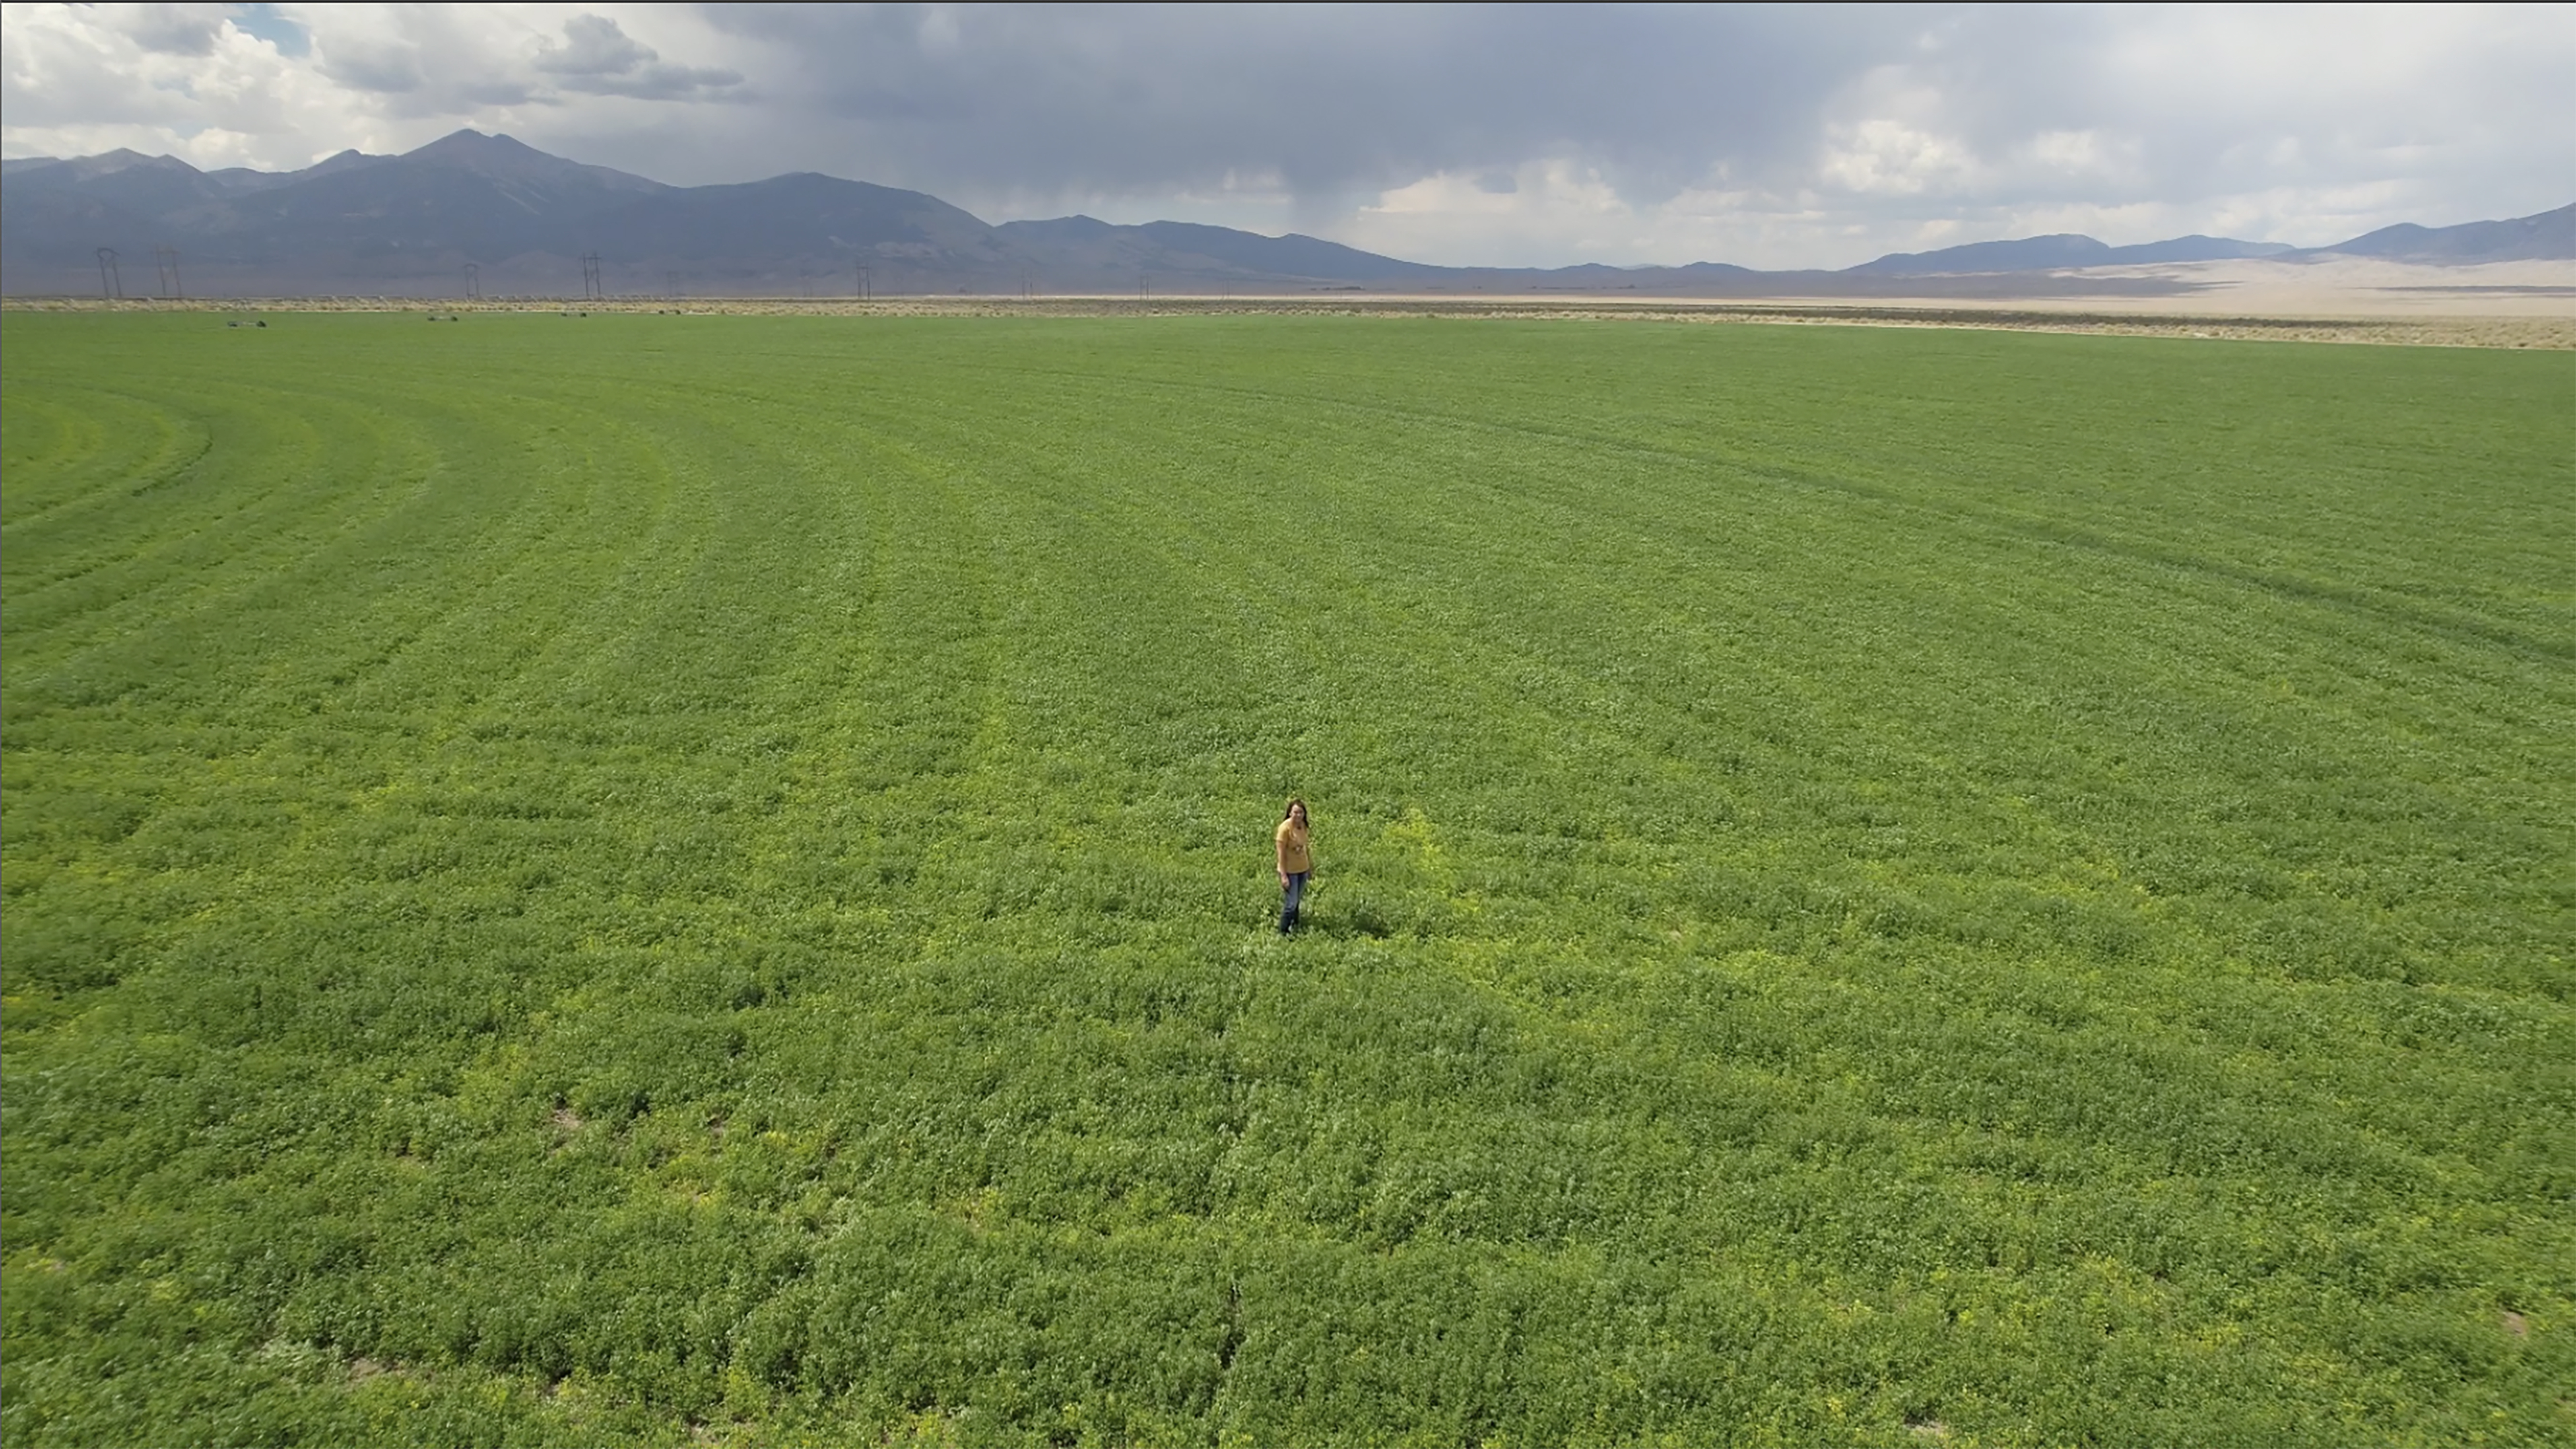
x=111, y=287
x=675, y=286
x=591, y=290
x=165, y=260
x=867, y=286
x=473, y=281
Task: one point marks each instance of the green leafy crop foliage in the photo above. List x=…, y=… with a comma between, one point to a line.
x=655, y=879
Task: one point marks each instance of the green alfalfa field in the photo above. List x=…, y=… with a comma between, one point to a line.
x=640, y=879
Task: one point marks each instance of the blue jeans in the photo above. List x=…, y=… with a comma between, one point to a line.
x=1288, y=903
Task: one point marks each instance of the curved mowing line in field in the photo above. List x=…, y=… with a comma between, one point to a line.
x=623, y=879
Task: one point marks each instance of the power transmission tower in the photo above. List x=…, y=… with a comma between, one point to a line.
x=111, y=287
x=473, y=281
x=591, y=290
x=165, y=260
x=867, y=286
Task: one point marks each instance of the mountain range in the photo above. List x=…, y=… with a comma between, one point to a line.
x=523, y=220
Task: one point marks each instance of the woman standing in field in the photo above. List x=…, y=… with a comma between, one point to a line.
x=1296, y=862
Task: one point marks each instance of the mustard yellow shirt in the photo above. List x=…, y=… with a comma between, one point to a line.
x=1293, y=858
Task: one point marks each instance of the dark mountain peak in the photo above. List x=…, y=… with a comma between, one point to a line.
x=80, y=170
x=2197, y=248
x=2037, y=253
x=2542, y=236
x=243, y=181
x=509, y=159
x=138, y=188
x=468, y=142
x=803, y=215
x=122, y=159
x=817, y=185
x=1190, y=248
x=1058, y=229
x=1292, y=255
x=343, y=161
x=2060, y=250
x=1180, y=233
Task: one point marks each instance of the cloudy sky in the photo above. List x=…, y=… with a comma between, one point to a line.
x=1497, y=135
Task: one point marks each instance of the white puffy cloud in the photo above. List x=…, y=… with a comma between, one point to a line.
x=280, y=86
x=1556, y=208
x=1773, y=137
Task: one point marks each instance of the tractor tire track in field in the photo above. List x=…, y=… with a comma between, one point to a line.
x=2378, y=603
x=113, y=479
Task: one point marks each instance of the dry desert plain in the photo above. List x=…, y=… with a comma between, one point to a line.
x=2530, y=304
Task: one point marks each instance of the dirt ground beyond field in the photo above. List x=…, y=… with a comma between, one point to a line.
x=2504, y=304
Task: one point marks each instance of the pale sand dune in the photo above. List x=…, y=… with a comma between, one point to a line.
x=2358, y=287
x=2345, y=299
x=2346, y=287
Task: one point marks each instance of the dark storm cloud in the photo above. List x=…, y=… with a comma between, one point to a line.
x=1333, y=100
x=1502, y=134
x=593, y=45
x=597, y=56
x=175, y=29
x=384, y=70
x=1866, y=111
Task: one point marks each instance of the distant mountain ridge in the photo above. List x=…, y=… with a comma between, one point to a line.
x=514, y=219
x=2063, y=250
x=2548, y=236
